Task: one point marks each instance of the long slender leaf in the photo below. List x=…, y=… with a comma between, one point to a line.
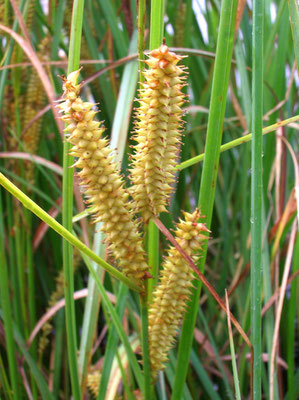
x=41, y=383
x=210, y=169
x=118, y=326
x=7, y=313
x=33, y=207
x=67, y=211
x=256, y=194
x=294, y=17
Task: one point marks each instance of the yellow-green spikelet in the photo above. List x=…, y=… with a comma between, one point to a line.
x=158, y=131
x=171, y=294
x=93, y=381
x=102, y=182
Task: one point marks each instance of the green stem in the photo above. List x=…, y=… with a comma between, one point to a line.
x=4, y=381
x=237, y=142
x=153, y=256
x=157, y=23
x=291, y=326
x=156, y=37
x=91, y=310
x=40, y=213
x=141, y=44
x=145, y=347
x=31, y=283
x=7, y=315
x=256, y=193
x=119, y=328
x=112, y=341
x=75, y=38
x=294, y=18
x=31, y=292
x=209, y=174
x=67, y=211
x=20, y=271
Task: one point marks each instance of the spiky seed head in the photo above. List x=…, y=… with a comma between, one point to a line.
x=102, y=182
x=157, y=133
x=173, y=291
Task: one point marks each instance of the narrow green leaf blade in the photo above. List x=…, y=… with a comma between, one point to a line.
x=209, y=174
x=294, y=17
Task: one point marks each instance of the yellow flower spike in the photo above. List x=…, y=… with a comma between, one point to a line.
x=173, y=291
x=157, y=133
x=102, y=182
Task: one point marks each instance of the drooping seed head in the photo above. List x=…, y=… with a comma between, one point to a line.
x=173, y=291
x=102, y=181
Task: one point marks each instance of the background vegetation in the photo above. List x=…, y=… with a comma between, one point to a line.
x=242, y=77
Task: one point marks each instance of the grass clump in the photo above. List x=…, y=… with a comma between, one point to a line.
x=122, y=339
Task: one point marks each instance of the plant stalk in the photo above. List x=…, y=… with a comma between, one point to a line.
x=56, y=226
x=256, y=194
x=209, y=174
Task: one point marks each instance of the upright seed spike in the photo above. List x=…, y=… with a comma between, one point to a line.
x=158, y=116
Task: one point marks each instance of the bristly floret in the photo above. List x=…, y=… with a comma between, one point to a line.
x=173, y=291
x=103, y=184
x=157, y=132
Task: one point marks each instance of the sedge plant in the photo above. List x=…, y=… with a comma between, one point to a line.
x=146, y=327
x=158, y=131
